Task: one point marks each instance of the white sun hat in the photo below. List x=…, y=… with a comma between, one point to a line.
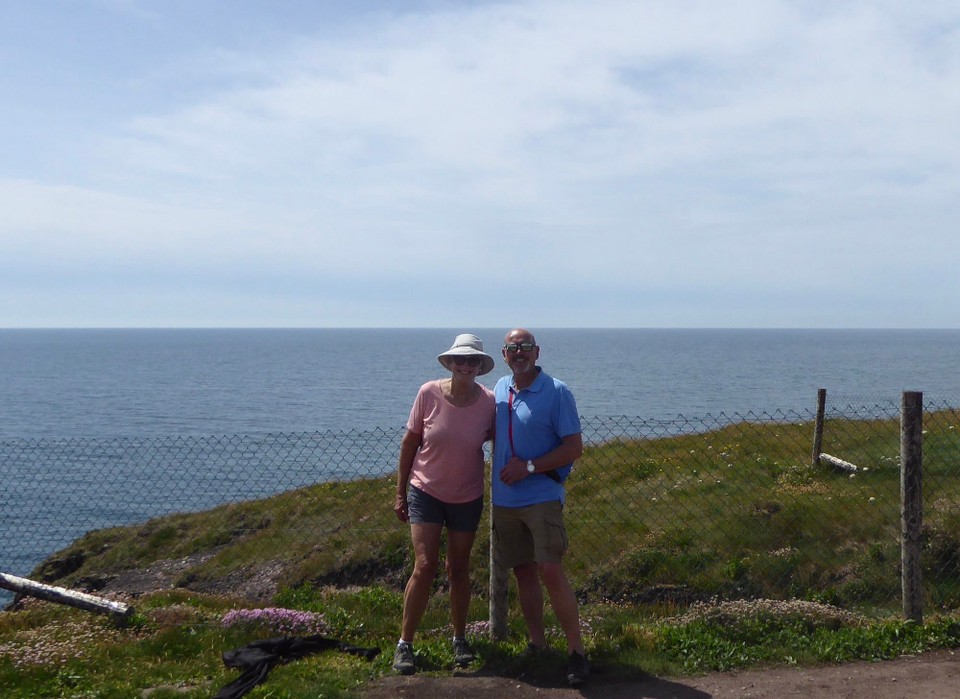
x=467, y=345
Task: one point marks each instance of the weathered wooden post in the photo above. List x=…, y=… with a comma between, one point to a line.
x=911, y=505
x=818, y=426
x=499, y=577
x=60, y=595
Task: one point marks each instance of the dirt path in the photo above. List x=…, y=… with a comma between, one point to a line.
x=928, y=676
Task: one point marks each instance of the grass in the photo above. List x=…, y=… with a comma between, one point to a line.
x=174, y=645
x=667, y=534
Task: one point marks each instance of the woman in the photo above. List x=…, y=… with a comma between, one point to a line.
x=440, y=483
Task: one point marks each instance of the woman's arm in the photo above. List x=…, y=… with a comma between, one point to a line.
x=408, y=449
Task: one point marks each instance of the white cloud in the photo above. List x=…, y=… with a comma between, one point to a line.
x=660, y=147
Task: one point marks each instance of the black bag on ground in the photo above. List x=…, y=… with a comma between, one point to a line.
x=258, y=658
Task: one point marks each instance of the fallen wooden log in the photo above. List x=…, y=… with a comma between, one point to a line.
x=61, y=595
x=839, y=463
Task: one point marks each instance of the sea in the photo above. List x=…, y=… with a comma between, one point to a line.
x=103, y=384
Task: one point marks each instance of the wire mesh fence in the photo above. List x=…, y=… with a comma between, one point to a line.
x=660, y=513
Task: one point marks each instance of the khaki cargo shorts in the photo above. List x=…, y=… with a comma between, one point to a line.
x=532, y=533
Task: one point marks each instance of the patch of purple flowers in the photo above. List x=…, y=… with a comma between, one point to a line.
x=288, y=622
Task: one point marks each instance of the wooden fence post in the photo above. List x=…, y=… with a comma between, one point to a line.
x=818, y=426
x=498, y=591
x=60, y=595
x=911, y=505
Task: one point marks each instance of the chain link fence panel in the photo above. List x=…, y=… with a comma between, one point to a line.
x=660, y=513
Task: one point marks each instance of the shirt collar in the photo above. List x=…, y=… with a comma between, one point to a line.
x=535, y=386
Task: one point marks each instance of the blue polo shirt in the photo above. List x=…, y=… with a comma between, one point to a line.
x=542, y=415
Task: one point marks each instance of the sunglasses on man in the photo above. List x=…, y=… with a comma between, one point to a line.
x=514, y=347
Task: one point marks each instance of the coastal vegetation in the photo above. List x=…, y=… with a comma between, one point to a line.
x=698, y=550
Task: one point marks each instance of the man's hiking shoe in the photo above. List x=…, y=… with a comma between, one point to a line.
x=403, y=662
x=463, y=654
x=577, y=669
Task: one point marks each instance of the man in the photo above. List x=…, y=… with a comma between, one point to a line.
x=538, y=439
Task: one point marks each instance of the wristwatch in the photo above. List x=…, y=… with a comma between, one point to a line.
x=530, y=467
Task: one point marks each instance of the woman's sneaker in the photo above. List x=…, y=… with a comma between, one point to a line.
x=403, y=662
x=463, y=654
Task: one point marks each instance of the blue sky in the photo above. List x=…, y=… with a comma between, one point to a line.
x=676, y=163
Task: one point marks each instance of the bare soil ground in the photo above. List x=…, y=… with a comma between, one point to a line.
x=929, y=676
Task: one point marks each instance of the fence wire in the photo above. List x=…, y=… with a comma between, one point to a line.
x=659, y=512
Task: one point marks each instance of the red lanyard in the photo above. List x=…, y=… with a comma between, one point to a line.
x=552, y=475
x=513, y=451
x=513, y=391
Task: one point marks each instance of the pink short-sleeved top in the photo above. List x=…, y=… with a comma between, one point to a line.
x=449, y=463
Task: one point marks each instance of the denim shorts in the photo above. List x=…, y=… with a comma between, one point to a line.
x=459, y=516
